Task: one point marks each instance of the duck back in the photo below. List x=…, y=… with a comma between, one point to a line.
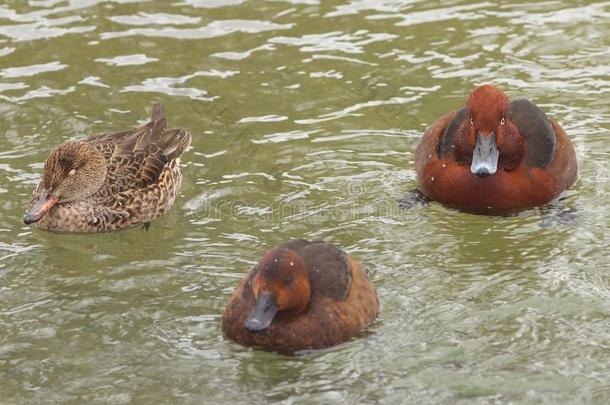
x=328, y=268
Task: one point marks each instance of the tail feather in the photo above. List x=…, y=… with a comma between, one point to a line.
x=168, y=142
x=158, y=113
x=174, y=142
x=144, y=140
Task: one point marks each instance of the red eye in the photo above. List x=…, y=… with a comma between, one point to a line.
x=471, y=121
x=502, y=121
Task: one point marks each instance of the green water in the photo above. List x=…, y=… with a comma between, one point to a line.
x=305, y=117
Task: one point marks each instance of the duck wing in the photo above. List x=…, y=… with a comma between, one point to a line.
x=535, y=127
x=445, y=145
x=137, y=157
x=328, y=267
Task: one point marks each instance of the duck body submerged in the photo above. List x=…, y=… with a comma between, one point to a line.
x=301, y=295
x=494, y=156
x=111, y=181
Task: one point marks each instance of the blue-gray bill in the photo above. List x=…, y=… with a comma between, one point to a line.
x=260, y=318
x=485, y=156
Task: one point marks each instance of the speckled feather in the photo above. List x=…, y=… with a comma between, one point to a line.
x=142, y=180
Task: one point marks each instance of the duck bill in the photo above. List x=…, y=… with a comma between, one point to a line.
x=485, y=156
x=262, y=315
x=41, y=204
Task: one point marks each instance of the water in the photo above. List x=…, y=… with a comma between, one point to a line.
x=305, y=118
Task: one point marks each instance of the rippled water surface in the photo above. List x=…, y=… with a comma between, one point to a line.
x=305, y=117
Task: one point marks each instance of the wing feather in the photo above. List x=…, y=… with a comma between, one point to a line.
x=137, y=157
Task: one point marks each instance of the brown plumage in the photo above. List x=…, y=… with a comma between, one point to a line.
x=111, y=181
x=301, y=295
x=495, y=156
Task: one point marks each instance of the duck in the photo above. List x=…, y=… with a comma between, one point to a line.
x=111, y=181
x=301, y=295
x=495, y=156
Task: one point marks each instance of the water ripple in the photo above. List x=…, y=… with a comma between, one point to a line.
x=154, y=19
x=31, y=70
x=305, y=117
x=127, y=60
x=213, y=3
x=170, y=85
x=334, y=41
x=44, y=29
x=212, y=30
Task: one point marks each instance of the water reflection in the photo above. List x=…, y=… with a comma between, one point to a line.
x=305, y=117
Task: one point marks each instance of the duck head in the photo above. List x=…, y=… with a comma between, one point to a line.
x=488, y=139
x=74, y=171
x=280, y=286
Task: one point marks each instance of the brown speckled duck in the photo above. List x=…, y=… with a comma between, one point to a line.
x=110, y=181
x=301, y=295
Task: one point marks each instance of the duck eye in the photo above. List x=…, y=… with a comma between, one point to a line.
x=502, y=121
x=471, y=121
x=72, y=172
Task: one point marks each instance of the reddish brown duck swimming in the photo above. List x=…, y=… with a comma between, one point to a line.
x=494, y=156
x=301, y=295
x=111, y=181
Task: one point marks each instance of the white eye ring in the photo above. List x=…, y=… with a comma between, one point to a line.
x=502, y=121
x=471, y=121
x=72, y=172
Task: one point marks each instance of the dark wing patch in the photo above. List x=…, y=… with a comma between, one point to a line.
x=296, y=244
x=328, y=268
x=445, y=146
x=535, y=127
x=247, y=293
